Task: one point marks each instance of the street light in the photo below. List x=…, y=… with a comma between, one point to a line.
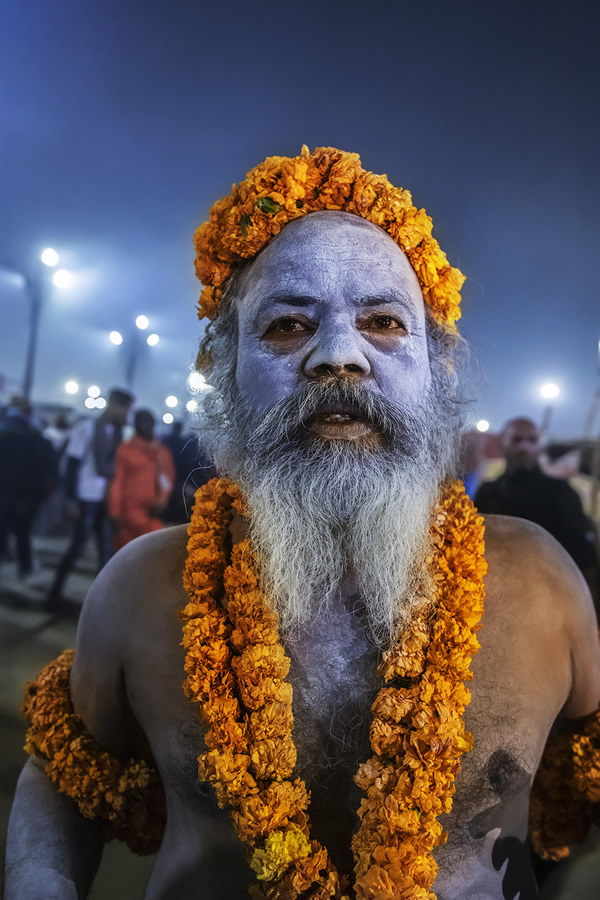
x=171, y=401
x=548, y=391
x=483, y=425
x=71, y=387
x=133, y=347
x=62, y=278
x=49, y=257
x=196, y=381
x=34, y=286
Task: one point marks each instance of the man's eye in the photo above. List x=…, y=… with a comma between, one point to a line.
x=383, y=323
x=286, y=325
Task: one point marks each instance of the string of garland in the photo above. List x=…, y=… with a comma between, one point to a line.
x=565, y=796
x=125, y=795
x=236, y=669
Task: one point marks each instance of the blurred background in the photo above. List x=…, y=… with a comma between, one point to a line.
x=122, y=122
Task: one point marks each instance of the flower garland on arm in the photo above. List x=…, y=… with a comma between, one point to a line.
x=565, y=797
x=126, y=796
x=236, y=669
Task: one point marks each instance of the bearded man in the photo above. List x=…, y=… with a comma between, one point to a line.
x=333, y=586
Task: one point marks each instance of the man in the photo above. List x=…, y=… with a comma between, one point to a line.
x=333, y=369
x=91, y=453
x=523, y=490
x=142, y=483
x=27, y=477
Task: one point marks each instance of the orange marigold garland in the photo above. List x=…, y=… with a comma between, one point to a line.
x=126, y=796
x=565, y=797
x=282, y=189
x=236, y=670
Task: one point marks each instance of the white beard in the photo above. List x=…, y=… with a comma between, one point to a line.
x=323, y=512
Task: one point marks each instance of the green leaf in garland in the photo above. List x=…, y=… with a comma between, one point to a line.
x=245, y=223
x=266, y=205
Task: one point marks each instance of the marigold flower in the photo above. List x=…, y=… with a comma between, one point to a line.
x=282, y=848
x=282, y=189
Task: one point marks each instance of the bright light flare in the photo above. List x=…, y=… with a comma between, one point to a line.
x=100, y=403
x=94, y=391
x=483, y=425
x=49, y=257
x=71, y=387
x=115, y=337
x=62, y=278
x=90, y=403
x=191, y=405
x=142, y=322
x=171, y=400
x=196, y=382
x=152, y=340
x=549, y=391
x=168, y=418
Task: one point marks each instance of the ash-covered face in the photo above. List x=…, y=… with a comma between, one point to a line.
x=335, y=412
x=331, y=295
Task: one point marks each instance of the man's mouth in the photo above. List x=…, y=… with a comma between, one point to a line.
x=341, y=426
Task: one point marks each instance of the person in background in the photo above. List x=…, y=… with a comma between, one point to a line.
x=91, y=453
x=528, y=493
x=142, y=483
x=192, y=468
x=27, y=477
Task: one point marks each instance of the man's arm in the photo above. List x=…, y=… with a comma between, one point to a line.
x=53, y=852
x=582, y=628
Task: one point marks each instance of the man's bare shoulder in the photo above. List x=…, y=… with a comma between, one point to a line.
x=536, y=594
x=514, y=547
x=133, y=603
x=149, y=564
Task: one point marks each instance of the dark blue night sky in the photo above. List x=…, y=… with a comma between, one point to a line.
x=121, y=123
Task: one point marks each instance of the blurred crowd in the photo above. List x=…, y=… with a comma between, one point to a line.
x=91, y=479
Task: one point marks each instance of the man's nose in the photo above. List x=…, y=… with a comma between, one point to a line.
x=336, y=352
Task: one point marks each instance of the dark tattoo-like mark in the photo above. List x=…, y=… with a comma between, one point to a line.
x=518, y=880
x=509, y=781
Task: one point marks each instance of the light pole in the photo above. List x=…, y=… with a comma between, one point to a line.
x=133, y=348
x=548, y=391
x=34, y=288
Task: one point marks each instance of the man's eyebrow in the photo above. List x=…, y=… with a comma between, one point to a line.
x=284, y=298
x=386, y=297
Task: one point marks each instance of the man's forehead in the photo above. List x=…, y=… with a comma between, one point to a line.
x=522, y=428
x=332, y=249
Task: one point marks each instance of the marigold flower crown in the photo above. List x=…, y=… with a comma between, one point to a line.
x=283, y=188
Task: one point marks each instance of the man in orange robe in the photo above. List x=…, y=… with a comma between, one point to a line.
x=142, y=483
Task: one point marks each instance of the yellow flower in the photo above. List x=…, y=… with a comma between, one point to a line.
x=282, y=848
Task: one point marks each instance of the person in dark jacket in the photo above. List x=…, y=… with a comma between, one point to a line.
x=27, y=477
x=192, y=468
x=528, y=493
